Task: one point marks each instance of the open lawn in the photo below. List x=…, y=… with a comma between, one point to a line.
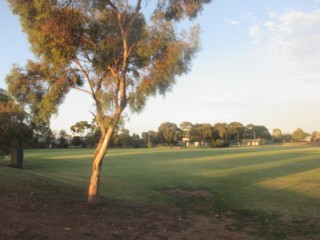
x=270, y=192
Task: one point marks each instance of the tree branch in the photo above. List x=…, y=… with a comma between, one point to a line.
x=114, y=7
x=82, y=90
x=138, y=7
x=78, y=63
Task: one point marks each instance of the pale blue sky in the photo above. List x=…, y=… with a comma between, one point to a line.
x=259, y=64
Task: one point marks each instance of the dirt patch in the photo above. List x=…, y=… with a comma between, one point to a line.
x=28, y=213
x=200, y=193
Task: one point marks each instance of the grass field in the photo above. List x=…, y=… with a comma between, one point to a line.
x=277, y=187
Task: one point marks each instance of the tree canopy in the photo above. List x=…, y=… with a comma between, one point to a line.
x=299, y=135
x=170, y=132
x=104, y=49
x=80, y=127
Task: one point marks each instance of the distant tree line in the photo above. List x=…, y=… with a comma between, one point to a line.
x=18, y=130
x=86, y=134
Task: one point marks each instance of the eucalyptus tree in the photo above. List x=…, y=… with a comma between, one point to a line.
x=201, y=133
x=106, y=49
x=236, y=130
x=147, y=138
x=194, y=133
x=299, y=135
x=170, y=132
x=125, y=138
x=252, y=131
x=152, y=138
x=206, y=132
x=277, y=134
x=262, y=132
x=222, y=129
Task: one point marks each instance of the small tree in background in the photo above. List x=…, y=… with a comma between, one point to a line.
x=277, y=135
x=15, y=129
x=125, y=138
x=236, y=130
x=80, y=127
x=63, y=141
x=170, y=132
x=299, y=135
x=222, y=129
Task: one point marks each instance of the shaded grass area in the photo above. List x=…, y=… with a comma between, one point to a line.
x=275, y=188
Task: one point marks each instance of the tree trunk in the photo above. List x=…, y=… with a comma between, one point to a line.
x=17, y=158
x=93, y=193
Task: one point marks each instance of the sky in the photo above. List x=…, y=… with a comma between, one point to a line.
x=259, y=63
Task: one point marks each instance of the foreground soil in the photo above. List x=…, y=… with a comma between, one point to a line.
x=39, y=211
x=27, y=213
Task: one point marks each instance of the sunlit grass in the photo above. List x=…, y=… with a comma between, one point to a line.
x=283, y=180
x=252, y=167
x=305, y=183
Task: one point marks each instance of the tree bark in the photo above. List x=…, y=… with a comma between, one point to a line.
x=93, y=193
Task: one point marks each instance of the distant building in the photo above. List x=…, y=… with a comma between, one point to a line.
x=254, y=142
x=186, y=136
x=308, y=138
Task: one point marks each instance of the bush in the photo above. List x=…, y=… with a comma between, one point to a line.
x=219, y=143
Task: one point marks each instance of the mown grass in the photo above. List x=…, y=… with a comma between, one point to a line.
x=276, y=182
